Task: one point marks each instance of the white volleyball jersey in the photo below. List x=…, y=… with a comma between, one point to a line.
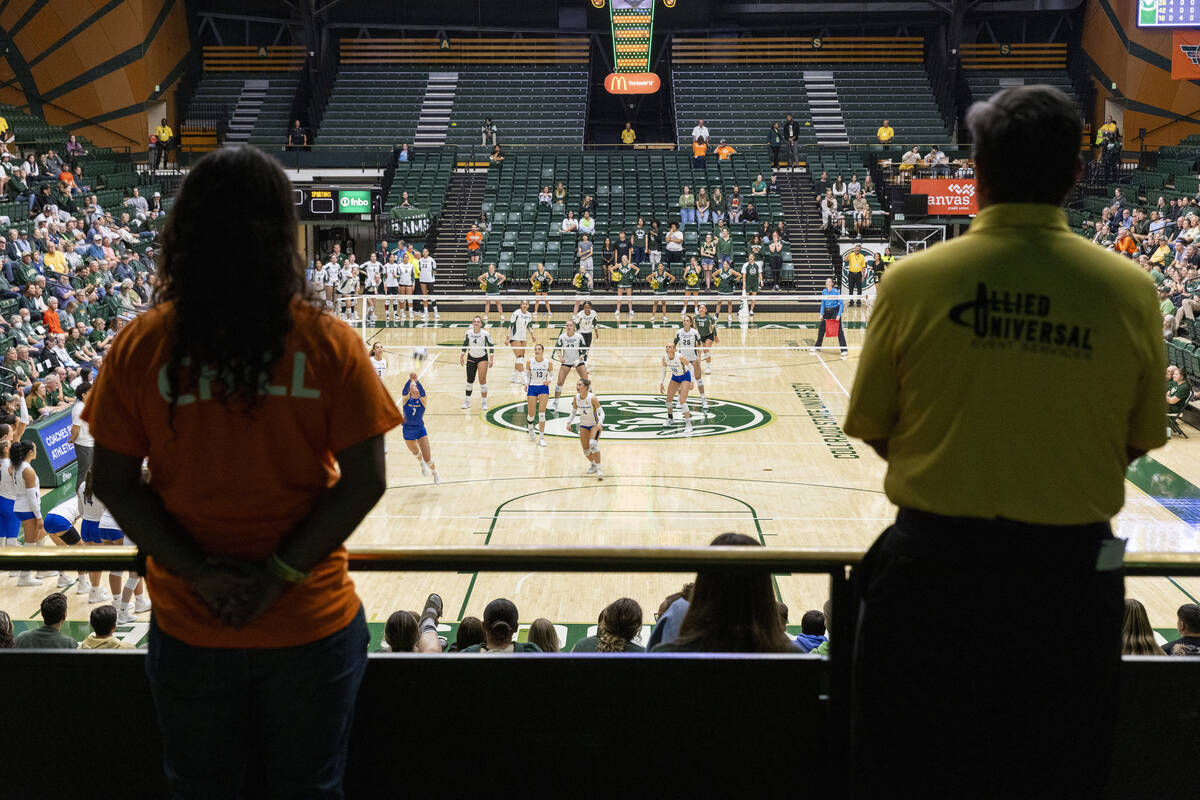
x=587, y=414
x=373, y=269
x=391, y=274
x=18, y=485
x=570, y=348
x=478, y=345
x=405, y=273
x=687, y=341
x=676, y=365
x=428, y=269
x=585, y=321
x=380, y=366
x=519, y=323
x=538, y=372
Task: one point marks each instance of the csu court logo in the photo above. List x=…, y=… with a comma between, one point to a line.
x=642, y=417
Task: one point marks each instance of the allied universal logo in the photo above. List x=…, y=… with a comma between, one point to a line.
x=1002, y=320
x=642, y=417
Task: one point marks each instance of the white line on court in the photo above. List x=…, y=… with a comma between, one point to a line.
x=835, y=378
x=521, y=582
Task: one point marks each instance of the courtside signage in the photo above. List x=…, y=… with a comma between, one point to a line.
x=948, y=197
x=354, y=202
x=642, y=417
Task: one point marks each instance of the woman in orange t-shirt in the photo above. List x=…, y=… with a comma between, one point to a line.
x=699, y=151
x=262, y=462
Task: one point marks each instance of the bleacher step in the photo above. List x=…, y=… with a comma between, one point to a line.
x=433, y=120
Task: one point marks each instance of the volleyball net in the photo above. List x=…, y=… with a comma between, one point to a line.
x=763, y=322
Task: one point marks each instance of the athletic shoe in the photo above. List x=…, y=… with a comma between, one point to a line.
x=141, y=603
x=541, y=441
x=844, y=355
x=436, y=315
x=83, y=586
x=47, y=573
x=532, y=436
x=27, y=579
x=687, y=430
x=466, y=404
x=99, y=594
x=704, y=405
x=591, y=469
x=424, y=316
x=125, y=616
x=599, y=472
x=483, y=406
x=16, y=573
x=64, y=580
x=424, y=469
x=670, y=418
x=437, y=479
x=432, y=603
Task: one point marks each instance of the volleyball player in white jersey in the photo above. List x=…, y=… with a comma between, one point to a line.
x=378, y=359
x=316, y=281
x=681, y=381
x=391, y=286
x=518, y=332
x=537, y=378
x=568, y=352
x=585, y=323
x=28, y=509
x=478, y=353
x=99, y=527
x=427, y=269
x=10, y=526
x=586, y=406
x=687, y=340
x=348, y=289
x=405, y=276
x=333, y=276
x=372, y=281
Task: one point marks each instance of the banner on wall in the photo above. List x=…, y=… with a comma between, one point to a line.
x=409, y=222
x=1185, y=55
x=948, y=196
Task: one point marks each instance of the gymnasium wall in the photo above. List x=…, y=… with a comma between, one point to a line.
x=82, y=62
x=1138, y=60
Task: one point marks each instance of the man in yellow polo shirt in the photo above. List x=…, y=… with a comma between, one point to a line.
x=971, y=385
x=856, y=262
x=628, y=136
x=885, y=134
x=165, y=137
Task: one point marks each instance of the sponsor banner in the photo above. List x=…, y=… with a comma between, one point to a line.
x=948, y=197
x=54, y=440
x=409, y=223
x=1185, y=55
x=632, y=83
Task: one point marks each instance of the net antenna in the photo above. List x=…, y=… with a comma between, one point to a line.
x=907, y=239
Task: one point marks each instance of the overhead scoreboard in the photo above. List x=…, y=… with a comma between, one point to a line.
x=1168, y=13
x=325, y=203
x=633, y=32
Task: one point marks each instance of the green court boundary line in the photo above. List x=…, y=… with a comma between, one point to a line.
x=1186, y=593
x=500, y=509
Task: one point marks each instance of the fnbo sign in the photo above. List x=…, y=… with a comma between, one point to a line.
x=354, y=202
x=643, y=417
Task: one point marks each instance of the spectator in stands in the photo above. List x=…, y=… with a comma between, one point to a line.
x=862, y=214
x=725, y=152
x=750, y=214
x=6, y=631
x=474, y=240
x=569, y=223
x=853, y=187
x=731, y=611
x=839, y=192
x=885, y=134
x=868, y=185
x=560, y=193
x=1179, y=391
x=1058, y=547
x=831, y=217
x=773, y=185
x=703, y=206
x=400, y=633
x=608, y=256
x=166, y=140
x=699, y=153
x=49, y=636
x=735, y=205
x=910, y=159
x=774, y=261
x=406, y=633
x=470, y=634
x=544, y=197
x=791, y=135
x=670, y=614
x=584, y=253
x=484, y=222
x=587, y=224
x=499, y=628
x=775, y=142
x=623, y=247
x=719, y=206
x=620, y=623
x=687, y=207
x=821, y=186
x=1188, y=622
x=674, y=245
x=812, y=631
x=103, y=620
x=487, y=133
x=1137, y=637
x=938, y=162
x=497, y=156
x=543, y=634
x=700, y=131
x=628, y=136
x=253, y=579
x=297, y=136
x=588, y=204
x=759, y=187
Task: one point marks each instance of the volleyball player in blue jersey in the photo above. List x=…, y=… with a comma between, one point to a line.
x=415, y=435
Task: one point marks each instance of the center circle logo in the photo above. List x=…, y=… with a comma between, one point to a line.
x=641, y=417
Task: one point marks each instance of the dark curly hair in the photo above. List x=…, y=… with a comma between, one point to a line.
x=243, y=194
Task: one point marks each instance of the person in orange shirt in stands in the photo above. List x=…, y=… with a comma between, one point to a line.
x=725, y=151
x=264, y=434
x=50, y=316
x=474, y=240
x=1126, y=244
x=699, y=152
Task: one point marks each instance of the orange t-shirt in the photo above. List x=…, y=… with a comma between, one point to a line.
x=473, y=240
x=699, y=149
x=1127, y=244
x=724, y=152
x=51, y=321
x=241, y=482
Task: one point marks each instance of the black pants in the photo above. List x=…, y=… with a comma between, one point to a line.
x=831, y=314
x=986, y=660
x=856, y=280
x=775, y=155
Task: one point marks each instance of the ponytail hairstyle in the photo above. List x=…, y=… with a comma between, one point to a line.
x=499, y=623
x=587, y=383
x=620, y=623
x=19, y=452
x=87, y=483
x=82, y=390
x=401, y=632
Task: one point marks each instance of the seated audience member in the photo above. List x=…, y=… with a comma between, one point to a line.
x=470, y=634
x=496, y=156
x=545, y=198
x=1188, y=622
x=405, y=633
x=725, y=152
x=569, y=223
x=49, y=636
x=499, y=628
x=103, y=620
x=853, y=187
x=823, y=648
x=886, y=133
x=620, y=624
x=543, y=634
x=404, y=156
x=812, y=631
x=731, y=611
x=6, y=631
x=1137, y=637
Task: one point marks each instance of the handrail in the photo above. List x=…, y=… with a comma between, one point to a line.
x=562, y=559
x=1191, y=116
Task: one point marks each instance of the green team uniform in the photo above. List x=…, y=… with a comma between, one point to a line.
x=540, y=281
x=1180, y=391
x=492, y=283
x=726, y=286
x=663, y=278
x=583, y=287
x=626, y=280
x=689, y=270
x=706, y=326
x=752, y=272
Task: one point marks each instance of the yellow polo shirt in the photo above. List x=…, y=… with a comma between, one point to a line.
x=885, y=133
x=1008, y=369
x=855, y=261
x=164, y=133
x=628, y=136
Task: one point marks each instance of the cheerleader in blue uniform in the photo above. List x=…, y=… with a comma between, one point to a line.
x=415, y=435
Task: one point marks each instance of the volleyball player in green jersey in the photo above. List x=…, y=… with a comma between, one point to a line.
x=625, y=273
x=752, y=279
x=706, y=326
x=691, y=285
x=726, y=275
x=659, y=279
x=687, y=340
x=491, y=282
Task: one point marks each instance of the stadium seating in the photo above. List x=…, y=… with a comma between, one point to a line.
x=738, y=102
x=529, y=104
x=901, y=94
x=373, y=107
x=425, y=179
x=269, y=94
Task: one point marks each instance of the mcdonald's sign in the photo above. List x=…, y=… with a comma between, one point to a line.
x=632, y=83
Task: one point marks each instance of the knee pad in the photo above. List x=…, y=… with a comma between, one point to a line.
x=699, y=382
x=520, y=361
x=70, y=536
x=528, y=420
x=469, y=387
x=595, y=447
x=541, y=416
x=483, y=388
x=132, y=581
